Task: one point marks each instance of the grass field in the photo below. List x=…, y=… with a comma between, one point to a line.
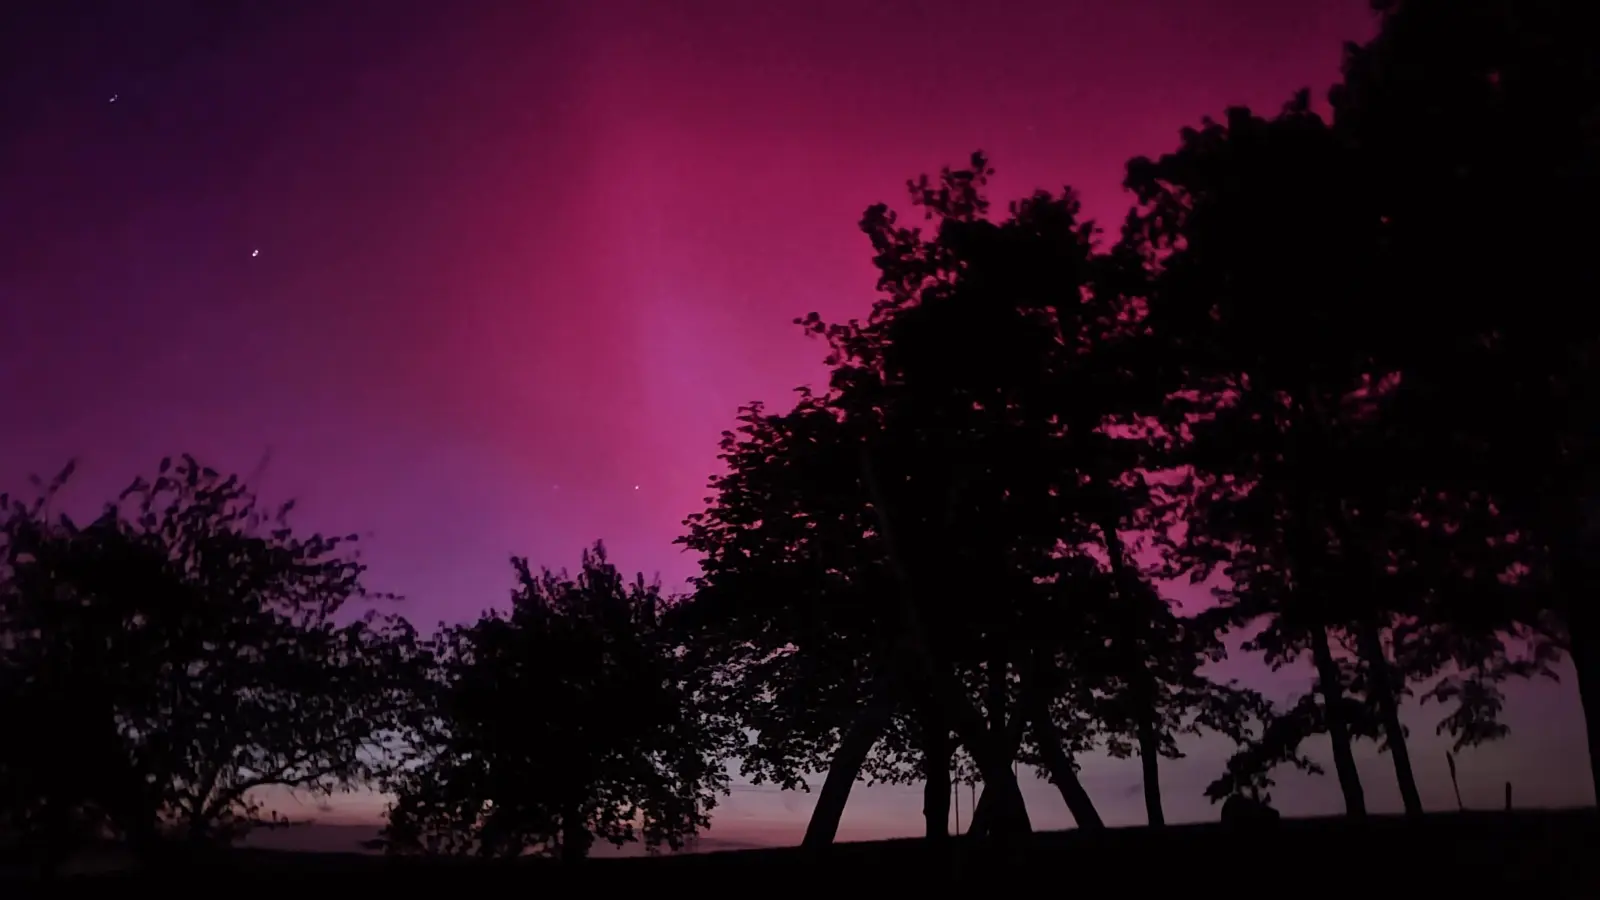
x=1534, y=854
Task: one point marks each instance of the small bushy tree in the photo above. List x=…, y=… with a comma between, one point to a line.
x=574, y=717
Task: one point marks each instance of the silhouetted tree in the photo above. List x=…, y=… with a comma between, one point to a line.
x=798, y=606
x=1261, y=236
x=63, y=764
x=859, y=518
x=1316, y=477
x=183, y=651
x=1464, y=116
x=574, y=717
x=921, y=538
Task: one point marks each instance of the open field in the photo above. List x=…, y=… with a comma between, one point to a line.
x=1545, y=854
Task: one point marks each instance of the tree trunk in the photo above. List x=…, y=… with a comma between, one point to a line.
x=1381, y=683
x=1143, y=683
x=936, y=805
x=1010, y=816
x=1577, y=575
x=1001, y=811
x=1331, y=687
x=1585, y=651
x=937, y=754
x=1150, y=760
x=1057, y=761
x=1011, y=819
x=199, y=820
x=990, y=817
x=982, y=815
x=1065, y=777
x=993, y=763
x=575, y=838
x=994, y=748
x=993, y=813
x=846, y=766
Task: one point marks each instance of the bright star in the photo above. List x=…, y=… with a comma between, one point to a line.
x=114, y=98
x=254, y=253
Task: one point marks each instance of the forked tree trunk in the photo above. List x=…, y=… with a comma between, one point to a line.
x=1382, y=688
x=1010, y=817
x=848, y=759
x=1000, y=810
x=994, y=764
x=852, y=753
x=996, y=814
x=1331, y=687
x=990, y=818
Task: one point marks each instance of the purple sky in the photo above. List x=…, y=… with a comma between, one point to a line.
x=484, y=277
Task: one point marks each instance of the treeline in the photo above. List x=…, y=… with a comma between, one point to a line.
x=1339, y=364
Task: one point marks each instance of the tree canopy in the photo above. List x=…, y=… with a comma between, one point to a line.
x=1337, y=365
x=947, y=533
x=183, y=651
x=572, y=718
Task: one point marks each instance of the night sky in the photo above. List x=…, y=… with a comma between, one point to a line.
x=478, y=278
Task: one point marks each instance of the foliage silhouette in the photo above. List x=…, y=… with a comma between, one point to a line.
x=182, y=652
x=1461, y=115
x=1308, y=483
x=1230, y=223
x=1314, y=363
x=978, y=455
x=574, y=717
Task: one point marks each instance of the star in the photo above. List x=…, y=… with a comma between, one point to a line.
x=636, y=487
x=254, y=253
x=114, y=98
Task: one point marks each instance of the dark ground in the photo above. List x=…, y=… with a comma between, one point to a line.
x=1528, y=854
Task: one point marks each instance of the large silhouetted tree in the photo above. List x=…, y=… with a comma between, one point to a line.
x=1319, y=479
x=1467, y=117
x=576, y=716
x=183, y=651
x=1261, y=236
x=874, y=521
x=944, y=533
